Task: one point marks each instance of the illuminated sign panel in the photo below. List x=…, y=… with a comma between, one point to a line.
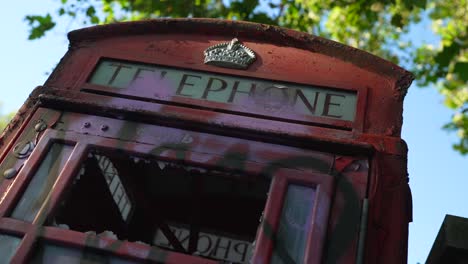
x=247, y=94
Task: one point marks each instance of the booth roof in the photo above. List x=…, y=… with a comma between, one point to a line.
x=247, y=30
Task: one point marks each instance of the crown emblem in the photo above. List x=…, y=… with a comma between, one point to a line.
x=229, y=55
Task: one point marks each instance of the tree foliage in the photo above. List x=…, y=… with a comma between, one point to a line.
x=4, y=120
x=378, y=26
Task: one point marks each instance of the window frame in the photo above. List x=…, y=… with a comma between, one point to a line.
x=323, y=185
x=33, y=232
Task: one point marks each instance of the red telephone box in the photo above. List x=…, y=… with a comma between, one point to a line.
x=208, y=141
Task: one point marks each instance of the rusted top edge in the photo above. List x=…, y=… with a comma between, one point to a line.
x=245, y=30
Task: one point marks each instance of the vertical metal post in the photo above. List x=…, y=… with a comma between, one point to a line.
x=362, y=232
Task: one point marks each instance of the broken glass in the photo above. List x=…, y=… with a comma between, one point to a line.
x=192, y=210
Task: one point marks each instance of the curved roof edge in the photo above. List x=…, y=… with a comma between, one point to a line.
x=262, y=32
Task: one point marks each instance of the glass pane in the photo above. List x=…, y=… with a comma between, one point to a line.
x=42, y=182
x=295, y=225
x=8, y=246
x=48, y=253
x=254, y=95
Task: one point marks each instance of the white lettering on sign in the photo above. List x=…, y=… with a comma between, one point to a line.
x=115, y=185
x=253, y=95
x=210, y=245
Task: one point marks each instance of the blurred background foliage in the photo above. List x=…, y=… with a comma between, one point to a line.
x=4, y=119
x=378, y=26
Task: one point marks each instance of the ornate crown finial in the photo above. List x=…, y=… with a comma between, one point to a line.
x=230, y=55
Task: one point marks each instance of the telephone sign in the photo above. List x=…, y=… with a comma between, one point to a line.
x=249, y=94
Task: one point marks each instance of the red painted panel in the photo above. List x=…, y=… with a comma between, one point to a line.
x=305, y=64
x=366, y=157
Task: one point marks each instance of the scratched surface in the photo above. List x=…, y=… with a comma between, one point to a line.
x=216, y=151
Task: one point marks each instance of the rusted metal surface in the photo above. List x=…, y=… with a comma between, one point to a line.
x=178, y=116
x=357, y=159
x=258, y=32
x=258, y=160
x=303, y=66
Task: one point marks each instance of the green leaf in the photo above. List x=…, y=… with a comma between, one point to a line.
x=90, y=12
x=262, y=18
x=461, y=69
x=408, y=4
x=420, y=3
x=95, y=20
x=397, y=20
x=39, y=25
x=71, y=14
x=444, y=57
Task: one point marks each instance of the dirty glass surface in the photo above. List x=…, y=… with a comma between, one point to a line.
x=8, y=246
x=295, y=225
x=51, y=254
x=42, y=182
x=254, y=95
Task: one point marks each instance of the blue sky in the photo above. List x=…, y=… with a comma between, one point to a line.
x=438, y=175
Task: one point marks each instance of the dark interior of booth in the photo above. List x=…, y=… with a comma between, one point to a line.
x=165, y=204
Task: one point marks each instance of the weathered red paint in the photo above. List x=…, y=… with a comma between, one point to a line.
x=354, y=160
